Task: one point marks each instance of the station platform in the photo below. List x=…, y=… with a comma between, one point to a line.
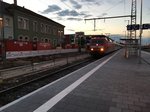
x=110, y=84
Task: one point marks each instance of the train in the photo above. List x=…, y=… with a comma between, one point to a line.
x=101, y=45
x=14, y=49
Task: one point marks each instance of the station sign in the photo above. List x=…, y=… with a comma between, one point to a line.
x=137, y=27
x=146, y=26
x=133, y=27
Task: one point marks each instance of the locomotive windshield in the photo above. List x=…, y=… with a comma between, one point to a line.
x=97, y=41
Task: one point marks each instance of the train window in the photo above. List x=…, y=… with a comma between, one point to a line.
x=99, y=41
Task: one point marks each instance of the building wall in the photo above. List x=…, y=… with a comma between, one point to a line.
x=45, y=31
x=8, y=27
x=24, y=25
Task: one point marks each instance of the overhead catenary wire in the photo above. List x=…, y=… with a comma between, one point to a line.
x=106, y=12
x=113, y=6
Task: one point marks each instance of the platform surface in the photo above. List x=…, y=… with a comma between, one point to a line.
x=110, y=84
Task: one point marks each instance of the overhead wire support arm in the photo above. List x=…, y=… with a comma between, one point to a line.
x=109, y=17
x=94, y=24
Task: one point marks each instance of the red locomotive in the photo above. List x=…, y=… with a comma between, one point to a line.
x=101, y=44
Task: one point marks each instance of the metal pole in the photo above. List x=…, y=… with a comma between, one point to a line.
x=2, y=36
x=141, y=31
x=128, y=33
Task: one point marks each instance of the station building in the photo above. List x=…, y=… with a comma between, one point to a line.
x=20, y=24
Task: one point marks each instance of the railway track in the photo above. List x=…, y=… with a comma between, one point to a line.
x=12, y=93
x=37, y=66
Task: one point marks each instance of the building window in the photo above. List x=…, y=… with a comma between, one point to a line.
x=7, y=21
x=46, y=28
x=35, y=27
x=49, y=29
x=42, y=28
x=20, y=23
x=54, y=31
x=23, y=23
x=26, y=24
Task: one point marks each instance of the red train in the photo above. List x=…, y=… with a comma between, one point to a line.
x=101, y=44
x=23, y=49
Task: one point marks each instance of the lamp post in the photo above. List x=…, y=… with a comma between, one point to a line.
x=128, y=31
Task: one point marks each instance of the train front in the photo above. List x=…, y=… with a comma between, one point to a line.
x=97, y=46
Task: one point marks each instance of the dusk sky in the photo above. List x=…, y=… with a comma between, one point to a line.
x=71, y=13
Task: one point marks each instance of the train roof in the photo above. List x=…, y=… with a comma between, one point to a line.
x=91, y=36
x=99, y=37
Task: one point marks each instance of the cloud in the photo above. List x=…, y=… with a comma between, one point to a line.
x=70, y=29
x=75, y=4
x=114, y=2
x=68, y=13
x=103, y=14
x=76, y=19
x=100, y=2
x=63, y=0
x=51, y=8
x=92, y=2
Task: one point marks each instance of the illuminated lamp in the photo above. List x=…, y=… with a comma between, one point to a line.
x=92, y=49
x=101, y=49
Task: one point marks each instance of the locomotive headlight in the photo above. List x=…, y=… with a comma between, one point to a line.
x=102, y=49
x=92, y=49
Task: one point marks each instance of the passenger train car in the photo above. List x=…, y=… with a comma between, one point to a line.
x=14, y=49
x=101, y=45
